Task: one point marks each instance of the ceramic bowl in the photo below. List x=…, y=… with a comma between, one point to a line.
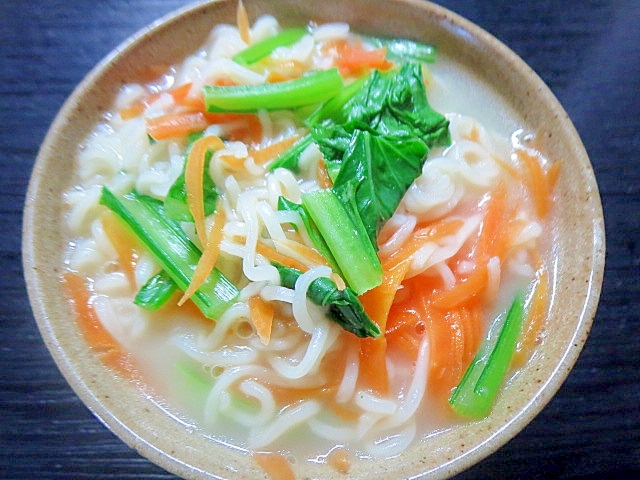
x=137, y=420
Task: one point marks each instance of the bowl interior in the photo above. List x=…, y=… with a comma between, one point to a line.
x=136, y=419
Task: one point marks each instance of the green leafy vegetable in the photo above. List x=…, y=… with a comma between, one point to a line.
x=309, y=89
x=171, y=247
x=156, y=292
x=262, y=49
x=351, y=248
x=343, y=306
x=312, y=230
x=402, y=50
x=289, y=158
x=475, y=394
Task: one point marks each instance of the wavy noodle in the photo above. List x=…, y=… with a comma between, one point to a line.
x=266, y=405
x=293, y=416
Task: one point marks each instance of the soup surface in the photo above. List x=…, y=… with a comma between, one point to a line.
x=422, y=221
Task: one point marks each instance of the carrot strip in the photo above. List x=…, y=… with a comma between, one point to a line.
x=299, y=251
x=373, y=364
x=93, y=331
x=263, y=155
x=420, y=238
x=535, y=318
x=491, y=239
x=324, y=180
x=275, y=465
x=472, y=287
x=235, y=163
x=537, y=181
x=180, y=93
x=173, y=125
x=124, y=242
x=194, y=178
x=209, y=256
x=353, y=59
x=552, y=175
x=261, y=313
x=273, y=255
x=243, y=23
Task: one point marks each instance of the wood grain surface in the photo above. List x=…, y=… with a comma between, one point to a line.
x=587, y=51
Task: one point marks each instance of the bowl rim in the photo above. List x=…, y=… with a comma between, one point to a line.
x=174, y=463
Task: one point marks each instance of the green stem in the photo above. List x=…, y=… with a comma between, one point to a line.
x=259, y=50
x=306, y=90
x=173, y=250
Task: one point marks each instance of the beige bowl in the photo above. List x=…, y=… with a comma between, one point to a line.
x=137, y=420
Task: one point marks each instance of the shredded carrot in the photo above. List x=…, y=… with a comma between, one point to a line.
x=194, y=178
x=537, y=181
x=173, y=125
x=377, y=303
x=299, y=251
x=373, y=364
x=209, y=255
x=243, y=127
x=324, y=180
x=552, y=175
x=491, y=240
x=124, y=242
x=535, y=318
x=96, y=335
x=275, y=465
x=263, y=155
x=467, y=289
x=261, y=313
x=235, y=163
x=273, y=255
x=352, y=59
x=180, y=93
x=421, y=237
x=243, y=23
x=284, y=70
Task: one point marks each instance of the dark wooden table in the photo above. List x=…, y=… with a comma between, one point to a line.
x=588, y=52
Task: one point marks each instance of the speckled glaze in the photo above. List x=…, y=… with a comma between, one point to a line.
x=579, y=247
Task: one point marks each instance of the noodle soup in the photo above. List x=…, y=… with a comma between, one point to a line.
x=264, y=367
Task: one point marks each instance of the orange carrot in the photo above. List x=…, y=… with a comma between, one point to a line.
x=180, y=93
x=373, y=364
x=274, y=256
x=175, y=124
x=421, y=237
x=299, y=251
x=243, y=23
x=124, y=242
x=96, y=335
x=261, y=313
x=324, y=180
x=194, y=178
x=353, y=59
x=377, y=303
x=530, y=337
x=263, y=155
x=553, y=174
x=275, y=465
x=235, y=163
x=537, y=181
x=209, y=255
x=491, y=239
x=467, y=289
